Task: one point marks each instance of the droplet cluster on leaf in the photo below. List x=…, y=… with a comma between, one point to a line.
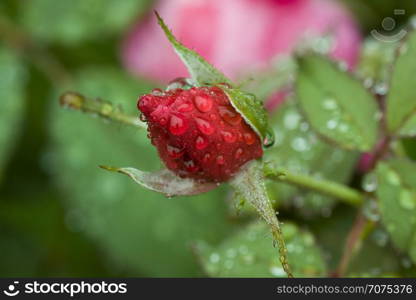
x=198, y=133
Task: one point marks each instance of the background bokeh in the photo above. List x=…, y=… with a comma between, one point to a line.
x=60, y=215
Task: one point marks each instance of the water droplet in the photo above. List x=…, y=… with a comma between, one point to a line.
x=203, y=103
x=177, y=83
x=142, y=117
x=220, y=160
x=277, y=271
x=291, y=120
x=300, y=144
x=229, y=115
x=163, y=121
x=201, y=143
x=238, y=153
x=370, y=183
x=343, y=127
x=177, y=125
x=304, y=126
x=268, y=139
x=406, y=262
x=381, y=88
x=332, y=124
x=231, y=253
x=214, y=258
x=213, y=117
x=190, y=166
x=378, y=115
x=228, y=264
x=228, y=137
x=407, y=199
x=368, y=82
x=393, y=178
x=157, y=92
x=185, y=107
x=204, y=126
x=329, y=104
x=380, y=237
x=206, y=158
x=249, y=138
x=174, y=152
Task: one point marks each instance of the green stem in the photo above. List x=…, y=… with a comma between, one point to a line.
x=326, y=187
x=100, y=108
x=250, y=184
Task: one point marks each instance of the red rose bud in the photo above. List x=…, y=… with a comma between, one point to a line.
x=198, y=133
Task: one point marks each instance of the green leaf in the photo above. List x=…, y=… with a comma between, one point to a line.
x=141, y=231
x=72, y=22
x=12, y=83
x=401, y=100
x=249, y=253
x=337, y=106
x=299, y=150
x=202, y=72
x=253, y=113
x=374, y=66
x=165, y=182
x=397, y=197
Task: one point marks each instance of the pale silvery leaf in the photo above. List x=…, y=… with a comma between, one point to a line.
x=165, y=182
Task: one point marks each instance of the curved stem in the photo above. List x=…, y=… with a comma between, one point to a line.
x=101, y=108
x=326, y=187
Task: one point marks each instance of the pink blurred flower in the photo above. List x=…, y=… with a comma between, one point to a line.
x=235, y=35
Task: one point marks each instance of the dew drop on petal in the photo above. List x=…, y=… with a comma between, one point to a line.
x=201, y=143
x=228, y=115
x=249, y=138
x=220, y=160
x=185, y=107
x=190, y=166
x=177, y=125
x=203, y=103
x=229, y=137
x=174, y=152
x=238, y=153
x=157, y=92
x=206, y=158
x=204, y=126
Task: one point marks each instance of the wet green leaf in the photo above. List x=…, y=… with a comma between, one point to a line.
x=299, y=150
x=202, y=72
x=397, y=197
x=249, y=253
x=12, y=83
x=373, y=69
x=337, y=106
x=401, y=100
x=134, y=226
x=72, y=22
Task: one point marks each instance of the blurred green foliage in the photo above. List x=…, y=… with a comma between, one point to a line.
x=60, y=215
